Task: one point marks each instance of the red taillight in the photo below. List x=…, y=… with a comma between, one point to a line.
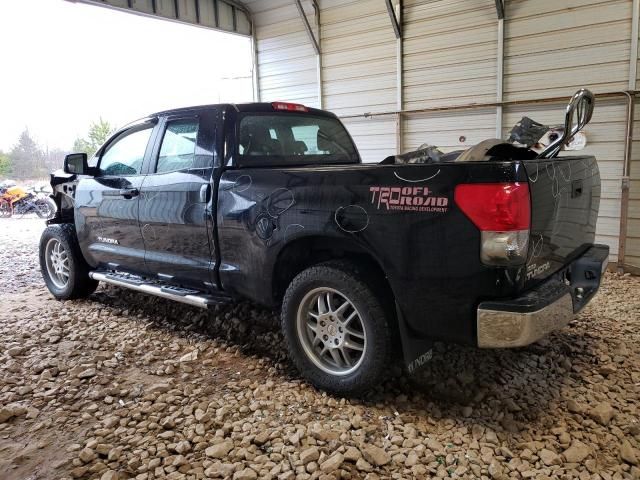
x=291, y=107
x=497, y=207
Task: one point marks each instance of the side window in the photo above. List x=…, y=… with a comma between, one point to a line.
x=178, y=150
x=124, y=155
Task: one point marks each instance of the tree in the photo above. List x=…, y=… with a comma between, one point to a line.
x=54, y=159
x=5, y=164
x=99, y=132
x=27, y=158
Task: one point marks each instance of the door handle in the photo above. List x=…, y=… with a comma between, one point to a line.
x=129, y=192
x=204, y=193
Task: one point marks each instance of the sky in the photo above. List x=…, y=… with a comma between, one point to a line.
x=64, y=65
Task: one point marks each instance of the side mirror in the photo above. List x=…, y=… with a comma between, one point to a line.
x=76, y=163
x=577, y=115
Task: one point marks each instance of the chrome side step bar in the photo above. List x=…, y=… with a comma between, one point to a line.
x=190, y=297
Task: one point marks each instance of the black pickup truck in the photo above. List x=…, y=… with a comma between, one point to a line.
x=271, y=202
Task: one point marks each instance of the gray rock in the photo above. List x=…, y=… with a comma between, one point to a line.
x=220, y=470
x=15, y=351
x=110, y=475
x=111, y=422
x=311, y=454
x=159, y=388
x=261, y=438
x=219, y=450
x=183, y=447
x=434, y=445
x=363, y=465
x=189, y=357
x=574, y=407
x=602, y=413
x=332, y=463
x=577, y=452
x=627, y=453
x=87, y=455
x=87, y=373
x=375, y=455
x=352, y=454
x=245, y=474
x=548, y=457
x=6, y=413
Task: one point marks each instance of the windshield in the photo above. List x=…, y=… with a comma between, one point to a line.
x=294, y=139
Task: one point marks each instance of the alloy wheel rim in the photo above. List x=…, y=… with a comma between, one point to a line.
x=331, y=331
x=57, y=260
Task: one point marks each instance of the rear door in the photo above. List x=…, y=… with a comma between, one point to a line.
x=106, y=213
x=176, y=201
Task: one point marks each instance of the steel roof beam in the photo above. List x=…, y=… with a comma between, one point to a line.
x=394, y=19
x=176, y=14
x=307, y=26
x=500, y=8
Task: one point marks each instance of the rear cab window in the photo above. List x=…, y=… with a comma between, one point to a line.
x=285, y=138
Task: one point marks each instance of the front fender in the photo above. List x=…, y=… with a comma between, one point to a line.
x=64, y=190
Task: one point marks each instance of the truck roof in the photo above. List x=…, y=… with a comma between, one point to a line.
x=247, y=107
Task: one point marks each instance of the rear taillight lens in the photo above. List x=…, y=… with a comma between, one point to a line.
x=502, y=212
x=289, y=107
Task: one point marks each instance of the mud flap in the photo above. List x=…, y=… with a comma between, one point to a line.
x=416, y=351
x=586, y=273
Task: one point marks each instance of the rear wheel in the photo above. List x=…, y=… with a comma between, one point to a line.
x=5, y=209
x=64, y=270
x=336, y=329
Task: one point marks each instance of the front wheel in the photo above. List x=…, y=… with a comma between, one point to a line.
x=46, y=208
x=336, y=329
x=64, y=269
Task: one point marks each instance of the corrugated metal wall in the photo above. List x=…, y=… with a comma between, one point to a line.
x=359, y=69
x=551, y=48
x=286, y=60
x=449, y=59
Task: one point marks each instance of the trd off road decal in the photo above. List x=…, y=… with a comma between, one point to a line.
x=408, y=199
x=534, y=270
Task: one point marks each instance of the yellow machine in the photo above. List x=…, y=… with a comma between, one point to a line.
x=13, y=194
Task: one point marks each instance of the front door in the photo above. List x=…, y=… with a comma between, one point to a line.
x=176, y=202
x=106, y=213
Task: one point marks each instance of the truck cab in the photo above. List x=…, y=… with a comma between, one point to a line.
x=150, y=206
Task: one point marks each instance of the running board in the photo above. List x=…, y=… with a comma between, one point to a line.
x=178, y=294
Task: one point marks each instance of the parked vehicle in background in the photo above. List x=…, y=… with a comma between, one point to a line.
x=492, y=247
x=16, y=200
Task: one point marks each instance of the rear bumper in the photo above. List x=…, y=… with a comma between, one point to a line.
x=548, y=307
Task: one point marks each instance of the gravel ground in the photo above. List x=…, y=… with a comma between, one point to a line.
x=19, y=253
x=127, y=386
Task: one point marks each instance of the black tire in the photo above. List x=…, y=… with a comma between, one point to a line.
x=346, y=279
x=5, y=209
x=78, y=285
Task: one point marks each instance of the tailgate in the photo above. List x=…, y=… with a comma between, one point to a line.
x=565, y=197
